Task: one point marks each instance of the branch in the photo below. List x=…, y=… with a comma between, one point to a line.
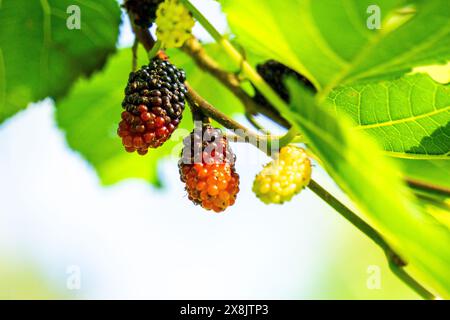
x=428, y=187
x=396, y=263
x=194, y=98
x=143, y=35
x=243, y=134
x=349, y=215
x=230, y=80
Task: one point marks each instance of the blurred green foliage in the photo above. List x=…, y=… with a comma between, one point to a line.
x=20, y=280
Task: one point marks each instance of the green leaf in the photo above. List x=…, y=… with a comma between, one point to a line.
x=409, y=116
x=332, y=44
x=41, y=57
x=89, y=115
x=440, y=213
x=373, y=182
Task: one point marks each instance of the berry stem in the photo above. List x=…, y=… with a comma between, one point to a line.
x=251, y=118
x=262, y=142
x=143, y=35
x=203, y=21
x=134, y=50
x=288, y=137
x=197, y=114
x=155, y=49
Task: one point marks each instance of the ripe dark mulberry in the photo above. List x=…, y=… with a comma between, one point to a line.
x=207, y=168
x=154, y=104
x=144, y=11
x=275, y=73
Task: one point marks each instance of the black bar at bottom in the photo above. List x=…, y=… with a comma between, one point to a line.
x=221, y=309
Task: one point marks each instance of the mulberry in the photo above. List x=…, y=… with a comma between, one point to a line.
x=174, y=23
x=144, y=11
x=154, y=103
x=275, y=73
x=284, y=177
x=207, y=168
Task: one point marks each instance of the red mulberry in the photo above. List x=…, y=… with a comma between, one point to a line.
x=154, y=103
x=207, y=169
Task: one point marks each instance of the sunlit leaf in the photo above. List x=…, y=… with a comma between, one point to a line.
x=409, y=116
x=332, y=43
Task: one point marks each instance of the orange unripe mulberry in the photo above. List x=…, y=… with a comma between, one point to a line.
x=207, y=169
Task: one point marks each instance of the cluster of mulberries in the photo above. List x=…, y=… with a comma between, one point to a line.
x=153, y=103
x=144, y=11
x=275, y=74
x=284, y=177
x=207, y=168
x=174, y=23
